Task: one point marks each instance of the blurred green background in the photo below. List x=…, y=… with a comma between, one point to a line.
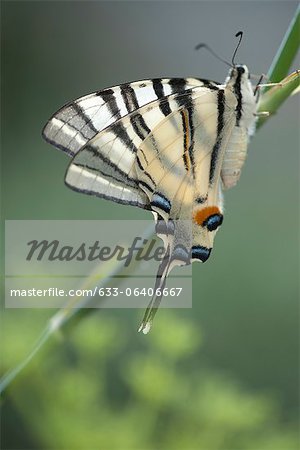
x=223, y=375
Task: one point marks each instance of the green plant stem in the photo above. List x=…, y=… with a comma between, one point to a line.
x=287, y=51
x=275, y=97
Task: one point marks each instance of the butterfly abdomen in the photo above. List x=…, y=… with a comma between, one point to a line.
x=236, y=149
x=234, y=157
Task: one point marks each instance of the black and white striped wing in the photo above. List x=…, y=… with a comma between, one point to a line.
x=107, y=165
x=78, y=126
x=75, y=124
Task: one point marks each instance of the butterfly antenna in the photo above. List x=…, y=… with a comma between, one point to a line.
x=240, y=35
x=213, y=53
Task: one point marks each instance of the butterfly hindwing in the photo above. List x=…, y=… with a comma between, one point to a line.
x=94, y=175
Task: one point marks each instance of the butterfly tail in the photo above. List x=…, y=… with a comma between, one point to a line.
x=154, y=304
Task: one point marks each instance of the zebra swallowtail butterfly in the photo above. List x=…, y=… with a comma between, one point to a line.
x=168, y=145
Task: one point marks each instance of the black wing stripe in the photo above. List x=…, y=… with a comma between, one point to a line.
x=146, y=186
x=79, y=123
x=131, y=102
x=212, y=85
x=159, y=92
x=108, y=197
x=84, y=117
x=192, y=132
x=139, y=126
x=188, y=127
x=97, y=154
x=130, y=181
x=60, y=146
x=178, y=85
x=109, y=99
x=116, y=128
x=150, y=178
x=185, y=156
x=220, y=127
x=138, y=161
x=120, y=132
x=129, y=97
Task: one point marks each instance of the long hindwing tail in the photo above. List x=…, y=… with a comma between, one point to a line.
x=160, y=283
x=171, y=197
x=176, y=234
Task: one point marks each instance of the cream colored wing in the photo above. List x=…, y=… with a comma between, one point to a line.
x=106, y=165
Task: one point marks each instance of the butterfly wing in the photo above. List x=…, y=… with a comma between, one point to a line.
x=107, y=165
x=76, y=123
x=77, y=129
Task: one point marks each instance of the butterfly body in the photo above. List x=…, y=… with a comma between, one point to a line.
x=236, y=152
x=170, y=146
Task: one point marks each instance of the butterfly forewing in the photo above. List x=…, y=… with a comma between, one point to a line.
x=78, y=122
x=108, y=162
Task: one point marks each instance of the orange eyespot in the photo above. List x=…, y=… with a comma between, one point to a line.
x=203, y=214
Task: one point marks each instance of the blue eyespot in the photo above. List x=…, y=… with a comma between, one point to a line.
x=161, y=202
x=213, y=222
x=199, y=252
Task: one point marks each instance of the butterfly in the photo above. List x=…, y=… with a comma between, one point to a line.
x=170, y=146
